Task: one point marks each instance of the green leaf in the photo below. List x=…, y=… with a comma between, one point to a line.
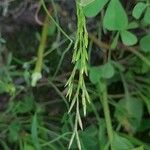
x=93, y=8
x=115, y=17
x=145, y=43
x=7, y=87
x=147, y=16
x=138, y=10
x=121, y=143
x=89, y=137
x=133, y=25
x=25, y=105
x=107, y=71
x=95, y=74
x=14, y=129
x=128, y=38
x=129, y=113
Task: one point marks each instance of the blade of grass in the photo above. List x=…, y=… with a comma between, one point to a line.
x=34, y=132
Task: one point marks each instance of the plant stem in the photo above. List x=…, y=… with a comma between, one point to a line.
x=42, y=46
x=52, y=19
x=39, y=62
x=102, y=89
x=133, y=50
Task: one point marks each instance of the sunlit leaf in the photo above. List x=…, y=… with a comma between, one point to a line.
x=115, y=17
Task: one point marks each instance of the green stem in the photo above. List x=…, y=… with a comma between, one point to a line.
x=102, y=89
x=57, y=25
x=39, y=63
x=38, y=67
x=61, y=59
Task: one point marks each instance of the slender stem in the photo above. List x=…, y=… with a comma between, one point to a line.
x=39, y=62
x=61, y=59
x=133, y=50
x=102, y=88
x=57, y=25
x=57, y=20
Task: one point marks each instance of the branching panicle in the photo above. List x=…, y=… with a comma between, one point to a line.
x=79, y=59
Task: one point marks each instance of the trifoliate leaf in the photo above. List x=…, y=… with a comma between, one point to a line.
x=105, y=71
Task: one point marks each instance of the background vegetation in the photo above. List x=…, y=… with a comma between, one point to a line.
x=74, y=74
